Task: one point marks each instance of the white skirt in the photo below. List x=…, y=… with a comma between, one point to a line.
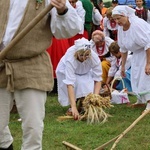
x=83, y=86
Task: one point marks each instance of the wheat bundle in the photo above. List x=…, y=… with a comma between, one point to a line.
x=94, y=106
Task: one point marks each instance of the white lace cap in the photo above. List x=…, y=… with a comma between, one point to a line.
x=82, y=44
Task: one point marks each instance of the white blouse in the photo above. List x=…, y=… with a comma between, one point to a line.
x=81, y=12
x=115, y=69
x=107, y=26
x=71, y=67
x=60, y=24
x=108, y=41
x=96, y=16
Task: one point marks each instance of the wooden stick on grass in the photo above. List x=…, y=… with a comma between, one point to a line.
x=106, y=144
x=70, y=146
x=129, y=128
x=25, y=31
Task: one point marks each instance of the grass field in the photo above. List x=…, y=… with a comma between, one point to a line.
x=89, y=137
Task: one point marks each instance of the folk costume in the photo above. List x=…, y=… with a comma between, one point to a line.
x=81, y=75
x=83, y=33
x=97, y=19
x=143, y=13
x=104, y=55
x=110, y=28
x=115, y=71
x=137, y=40
x=26, y=74
x=56, y=51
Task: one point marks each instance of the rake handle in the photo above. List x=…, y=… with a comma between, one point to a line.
x=70, y=146
x=19, y=36
x=129, y=128
x=106, y=144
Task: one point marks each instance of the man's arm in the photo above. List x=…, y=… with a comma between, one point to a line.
x=65, y=22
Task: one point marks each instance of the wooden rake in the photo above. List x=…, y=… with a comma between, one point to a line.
x=116, y=139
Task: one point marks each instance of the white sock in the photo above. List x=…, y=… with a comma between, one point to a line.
x=148, y=106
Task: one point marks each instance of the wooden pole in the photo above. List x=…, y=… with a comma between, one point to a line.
x=129, y=128
x=106, y=144
x=25, y=31
x=70, y=146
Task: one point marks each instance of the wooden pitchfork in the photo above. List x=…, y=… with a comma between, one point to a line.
x=25, y=31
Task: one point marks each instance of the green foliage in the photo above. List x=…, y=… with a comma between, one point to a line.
x=88, y=137
x=107, y=4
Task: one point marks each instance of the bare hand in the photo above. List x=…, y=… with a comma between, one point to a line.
x=59, y=4
x=75, y=113
x=147, y=69
x=123, y=74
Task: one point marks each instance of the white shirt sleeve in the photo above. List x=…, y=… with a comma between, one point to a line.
x=113, y=69
x=65, y=26
x=81, y=12
x=97, y=67
x=106, y=32
x=127, y=66
x=96, y=16
x=142, y=34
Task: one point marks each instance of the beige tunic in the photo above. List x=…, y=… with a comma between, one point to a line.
x=27, y=65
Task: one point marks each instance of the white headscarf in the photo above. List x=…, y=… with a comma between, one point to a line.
x=123, y=10
x=82, y=44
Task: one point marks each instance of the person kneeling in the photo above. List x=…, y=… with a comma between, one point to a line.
x=78, y=73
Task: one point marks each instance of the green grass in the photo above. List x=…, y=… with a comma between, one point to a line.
x=89, y=137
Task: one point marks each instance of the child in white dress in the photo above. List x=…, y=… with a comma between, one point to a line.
x=115, y=69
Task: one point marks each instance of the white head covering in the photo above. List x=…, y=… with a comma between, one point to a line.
x=83, y=44
x=123, y=10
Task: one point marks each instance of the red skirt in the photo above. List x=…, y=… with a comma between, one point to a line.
x=57, y=50
x=77, y=36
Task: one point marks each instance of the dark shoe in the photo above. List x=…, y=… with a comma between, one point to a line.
x=9, y=148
